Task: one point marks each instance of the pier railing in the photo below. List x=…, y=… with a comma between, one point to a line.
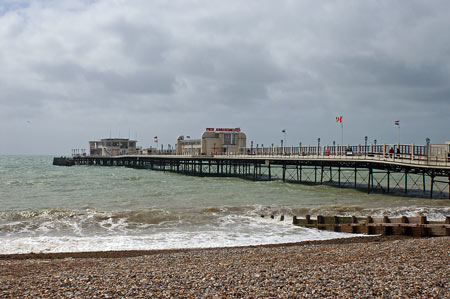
x=432, y=155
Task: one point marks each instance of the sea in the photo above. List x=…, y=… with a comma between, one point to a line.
x=47, y=209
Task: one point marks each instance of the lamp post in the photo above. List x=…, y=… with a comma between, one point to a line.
x=334, y=147
x=428, y=148
x=365, y=146
x=281, y=141
x=318, y=146
x=251, y=147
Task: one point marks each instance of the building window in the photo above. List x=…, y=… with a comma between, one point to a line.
x=229, y=139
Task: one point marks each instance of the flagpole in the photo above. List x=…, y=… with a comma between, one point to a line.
x=342, y=133
x=398, y=134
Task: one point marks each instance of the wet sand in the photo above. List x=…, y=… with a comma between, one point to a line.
x=370, y=267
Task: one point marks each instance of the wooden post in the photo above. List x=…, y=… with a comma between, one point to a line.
x=336, y=227
x=294, y=220
x=370, y=229
x=423, y=230
x=387, y=229
x=447, y=221
x=308, y=219
x=354, y=227
x=320, y=220
x=406, y=230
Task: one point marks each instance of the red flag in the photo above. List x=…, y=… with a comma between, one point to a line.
x=339, y=119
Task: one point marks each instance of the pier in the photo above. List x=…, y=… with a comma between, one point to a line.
x=422, y=171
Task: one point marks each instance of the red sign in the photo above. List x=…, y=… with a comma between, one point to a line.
x=223, y=129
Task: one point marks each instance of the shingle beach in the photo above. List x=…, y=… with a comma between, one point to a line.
x=372, y=267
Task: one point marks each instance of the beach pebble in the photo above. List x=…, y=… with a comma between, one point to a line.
x=364, y=267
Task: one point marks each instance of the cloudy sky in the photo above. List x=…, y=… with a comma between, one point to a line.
x=74, y=71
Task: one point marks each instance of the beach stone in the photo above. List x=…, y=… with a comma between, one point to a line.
x=371, y=267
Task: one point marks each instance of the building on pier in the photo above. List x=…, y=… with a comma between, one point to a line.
x=112, y=147
x=213, y=141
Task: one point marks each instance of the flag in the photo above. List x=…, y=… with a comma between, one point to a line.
x=339, y=119
x=156, y=138
x=397, y=123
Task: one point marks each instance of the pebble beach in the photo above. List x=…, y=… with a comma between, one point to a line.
x=369, y=267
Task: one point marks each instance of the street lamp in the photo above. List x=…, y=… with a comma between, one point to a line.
x=365, y=145
x=318, y=146
x=282, y=150
x=428, y=148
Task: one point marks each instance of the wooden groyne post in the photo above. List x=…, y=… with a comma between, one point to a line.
x=410, y=226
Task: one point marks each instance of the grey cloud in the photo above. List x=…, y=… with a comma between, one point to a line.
x=140, y=82
x=181, y=66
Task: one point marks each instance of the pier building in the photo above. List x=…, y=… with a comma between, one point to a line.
x=214, y=141
x=112, y=147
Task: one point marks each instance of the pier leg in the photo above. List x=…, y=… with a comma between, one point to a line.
x=431, y=186
x=284, y=172
x=315, y=174
x=406, y=181
x=270, y=172
x=388, y=180
x=339, y=176
x=424, y=185
x=321, y=175
x=300, y=180
x=356, y=172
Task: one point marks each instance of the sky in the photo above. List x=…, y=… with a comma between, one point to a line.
x=74, y=71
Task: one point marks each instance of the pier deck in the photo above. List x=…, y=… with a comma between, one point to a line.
x=406, y=174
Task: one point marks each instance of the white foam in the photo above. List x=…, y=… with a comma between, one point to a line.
x=250, y=232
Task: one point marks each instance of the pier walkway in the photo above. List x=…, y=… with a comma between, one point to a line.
x=411, y=170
